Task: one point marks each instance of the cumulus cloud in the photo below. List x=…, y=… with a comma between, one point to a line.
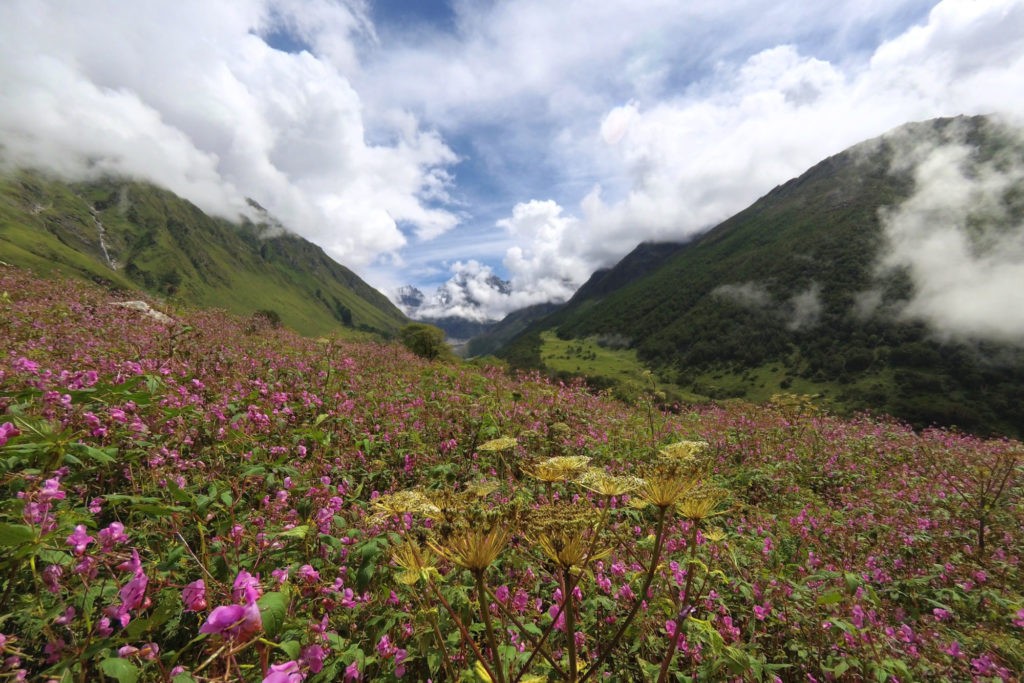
x=597, y=125
x=675, y=165
x=539, y=273
x=960, y=237
x=189, y=96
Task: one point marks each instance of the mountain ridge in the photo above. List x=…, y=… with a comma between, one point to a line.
x=789, y=294
x=136, y=236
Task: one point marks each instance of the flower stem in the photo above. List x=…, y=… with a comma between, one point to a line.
x=462, y=629
x=684, y=611
x=640, y=598
x=485, y=614
x=570, y=624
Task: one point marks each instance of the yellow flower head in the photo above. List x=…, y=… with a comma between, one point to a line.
x=683, y=451
x=559, y=468
x=401, y=502
x=500, y=444
x=605, y=484
x=473, y=549
x=701, y=502
x=482, y=487
x=665, y=489
x=568, y=550
x=417, y=563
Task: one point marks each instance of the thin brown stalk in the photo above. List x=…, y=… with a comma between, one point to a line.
x=640, y=598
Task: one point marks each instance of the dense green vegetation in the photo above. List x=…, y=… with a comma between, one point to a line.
x=210, y=500
x=771, y=300
x=164, y=245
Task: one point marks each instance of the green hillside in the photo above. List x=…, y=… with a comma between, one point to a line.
x=768, y=301
x=155, y=241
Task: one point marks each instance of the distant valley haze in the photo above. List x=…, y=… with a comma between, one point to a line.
x=492, y=156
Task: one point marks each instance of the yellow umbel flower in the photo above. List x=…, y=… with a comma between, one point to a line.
x=559, y=468
x=683, y=451
x=402, y=502
x=417, y=563
x=664, y=489
x=569, y=550
x=500, y=444
x=482, y=487
x=605, y=484
x=473, y=549
x=700, y=503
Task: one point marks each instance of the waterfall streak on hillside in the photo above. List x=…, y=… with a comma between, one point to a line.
x=102, y=232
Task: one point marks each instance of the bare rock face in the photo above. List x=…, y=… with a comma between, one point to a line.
x=146, y=310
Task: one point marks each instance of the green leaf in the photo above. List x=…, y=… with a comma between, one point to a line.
x=158, y=510
x=292, y=648
x=300, y=531
x=16, y=534
x=273, y=609
x=102, y=456
x=121, y=669
x=830, y=598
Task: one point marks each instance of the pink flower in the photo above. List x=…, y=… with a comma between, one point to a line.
x=236, y=622
x=112, y=535
x=103, y=627
x=308, y=574
x=288, y=672
x=133, y=593
x=400, y=656
x=193, y=596
x=247, y=587
x=384, y=647
x=133, y=565
x=352, y=673
x=313, y=658
x=79, y=539
x=51, y=577
x=54, y=649
x=51, y=487
x=66, y=618
x=7, y=430
x=941, y=614
x=149, y=651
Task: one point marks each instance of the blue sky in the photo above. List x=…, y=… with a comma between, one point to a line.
x=423, y=141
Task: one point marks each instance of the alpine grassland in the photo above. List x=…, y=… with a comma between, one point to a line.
x=219, y=499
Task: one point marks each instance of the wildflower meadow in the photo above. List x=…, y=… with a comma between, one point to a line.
x=212, y=498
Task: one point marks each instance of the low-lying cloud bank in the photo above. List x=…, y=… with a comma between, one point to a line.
x=960, y=237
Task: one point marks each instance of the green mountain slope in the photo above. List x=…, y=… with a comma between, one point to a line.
x=773, y=299
x=136, y=236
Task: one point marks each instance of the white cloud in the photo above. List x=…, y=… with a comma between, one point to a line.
x=188, y=95
x=601, y=124
x=677, y=166
x=959, y=242
x=537, y=274
x=749, y=294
